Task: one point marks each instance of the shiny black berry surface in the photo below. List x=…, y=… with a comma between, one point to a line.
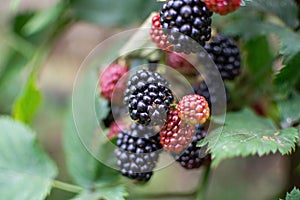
x=225, y=53
x=138, y=152
x=187, y=24
x=148, y=98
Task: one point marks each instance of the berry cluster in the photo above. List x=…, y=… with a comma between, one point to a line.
x=148, y=98
x=187, y=24
x=159, y=121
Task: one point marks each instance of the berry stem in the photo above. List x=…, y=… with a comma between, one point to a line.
x=66, y=186
x=202, y=190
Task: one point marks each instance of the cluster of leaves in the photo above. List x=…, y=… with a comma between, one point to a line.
x=269, y=89
x=244, y=133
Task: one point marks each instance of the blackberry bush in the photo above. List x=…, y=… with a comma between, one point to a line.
x=187, y=24
x=148, y=98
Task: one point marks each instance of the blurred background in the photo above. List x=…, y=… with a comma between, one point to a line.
x=252, y=178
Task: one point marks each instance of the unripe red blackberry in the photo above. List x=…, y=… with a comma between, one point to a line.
x=193, y=109
x=148, y=98
x=110, y=78
x=176, y=135
x=192, y=19
x=138, y=152
x=191, y=158
x=157, y=34
x=226, y=55
x=222, y=7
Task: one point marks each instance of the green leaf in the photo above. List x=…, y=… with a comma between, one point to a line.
x=289, y=108
x=43, y=19
x=114, y=193
x=26, y=171
x=114, y=13
x=83, y=167
x=286, y=10
x=259, y=58
x=288, y=76
x=102, y=108
x=246, y=134
x=28, y=103
x=293, y=195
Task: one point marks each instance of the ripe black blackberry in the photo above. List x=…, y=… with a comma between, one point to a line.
x=226, y=55
x=138, y=152
x=192, y=19
x=191, y=158
x=148, y=98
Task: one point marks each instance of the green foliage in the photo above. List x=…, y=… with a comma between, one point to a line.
x=114, y=193
x=289, y=75
x=43, y=19
x=259, y=59
x=83, y=167
x=246, y=134
x=288, y=109
x=293, y=195
x=278, y=8
x=113, y=13
x=28, y=103
x=26, y=171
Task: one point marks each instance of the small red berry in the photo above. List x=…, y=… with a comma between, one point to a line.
x=110, y=78
x=193, y=109
x=176, y=135
x=222, y=7
x=157, y=34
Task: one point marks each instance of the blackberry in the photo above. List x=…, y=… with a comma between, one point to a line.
x=210, y=96
x=157, y=34
x=193, y=109
x=176, y=135
x=109, y=79
x=138, y=152
x=226, y=55
x=222, y=7
x=148, y=98
x=187, y=24
x=190, y=158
